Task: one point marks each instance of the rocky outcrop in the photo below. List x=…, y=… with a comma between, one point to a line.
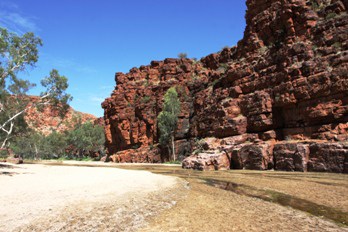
x=256, y=156
x=311, y=155
x=286, y=80
x=207, y=161
x=48, y=119
x=291, y=156
x=14, y=160
x=12, y=157
x=141, y=155
x=328, y=157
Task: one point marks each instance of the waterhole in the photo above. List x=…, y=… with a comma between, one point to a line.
x=234, y=181
x=282, y=199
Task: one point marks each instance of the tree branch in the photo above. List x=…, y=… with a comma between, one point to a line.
x=8, y=135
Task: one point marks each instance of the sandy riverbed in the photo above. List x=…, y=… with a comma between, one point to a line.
x=62, y=198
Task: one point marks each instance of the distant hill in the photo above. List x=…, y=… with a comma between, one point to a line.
x=48, y=119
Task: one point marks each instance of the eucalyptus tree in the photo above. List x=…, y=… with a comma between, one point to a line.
x=168, y=119
x=17, y=54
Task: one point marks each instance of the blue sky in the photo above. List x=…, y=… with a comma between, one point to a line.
x=88, y=40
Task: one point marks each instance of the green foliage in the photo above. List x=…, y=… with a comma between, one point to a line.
x=173, y=162
x=182, y=55
x=315, y=5
x=181, y=91
x=263, y=50
x=86, y=137
x=168, y=118
x=83, y=138
x=29, y=146
x=37, y=146
x=331, y=15
x=3, y=154
x=75, y=120
x=136, y=146
x=171, y=102
x=56, y=85
x=54, y=144
x=145, y=99
x=167, y=124
x=195, y=77
x=337, y=45
x=198, y=143
x=146, y=83
x=16, y=54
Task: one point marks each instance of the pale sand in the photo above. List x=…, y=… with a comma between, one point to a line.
x=64, y=198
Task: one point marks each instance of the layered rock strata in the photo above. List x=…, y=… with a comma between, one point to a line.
x=279, y=99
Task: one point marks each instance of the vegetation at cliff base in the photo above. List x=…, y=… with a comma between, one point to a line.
x=82, y=142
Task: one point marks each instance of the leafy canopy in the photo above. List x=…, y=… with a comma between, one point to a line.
x=168, y=118
x=87, y=137
x=17, y=53
x=82, y=140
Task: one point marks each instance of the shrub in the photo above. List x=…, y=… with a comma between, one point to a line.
x=331, y=15
x=223, y=67
x=182, y=55
x=145, y=99
x=173, y=162
x=337, y=45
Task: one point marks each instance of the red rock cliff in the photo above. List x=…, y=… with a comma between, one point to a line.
x=48, y=119
x=287, y=79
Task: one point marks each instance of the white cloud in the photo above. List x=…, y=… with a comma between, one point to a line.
x=13, y=20
x=97, y=99
x=84, y=69
x=106, y=87
x=66, y=63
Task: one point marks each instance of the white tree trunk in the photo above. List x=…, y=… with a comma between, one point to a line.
x=173, y=147
x=8, y=134
x=36, y=152
x=10, y=121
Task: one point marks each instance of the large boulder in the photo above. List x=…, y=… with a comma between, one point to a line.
x=256, y=156
x=291, y=156
x=328, y=157
x=141, y=155
x=14, y=160
x=208, y=161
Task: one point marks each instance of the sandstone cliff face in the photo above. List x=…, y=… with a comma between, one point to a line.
x=48, y=119
x=286, y=80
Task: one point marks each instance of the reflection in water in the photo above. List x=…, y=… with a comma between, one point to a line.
x=282, y=199
x=210, y=178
